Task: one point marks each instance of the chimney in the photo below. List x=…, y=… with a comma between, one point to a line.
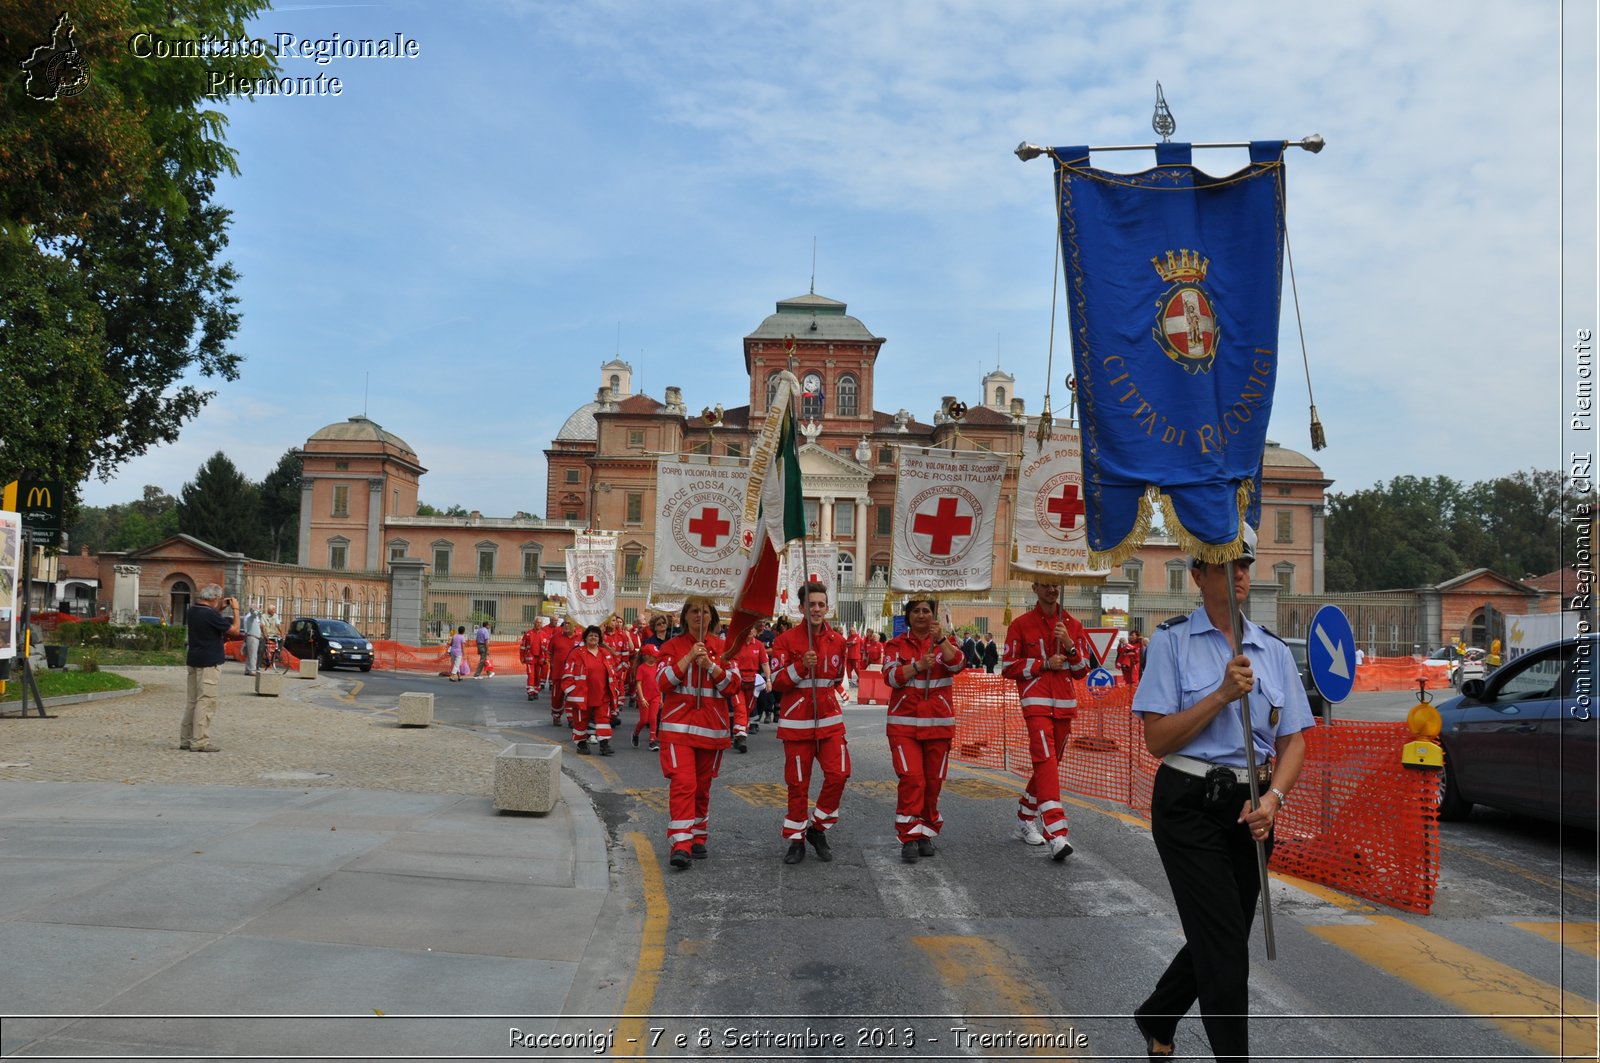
x=675, y=401
x=1016, y=410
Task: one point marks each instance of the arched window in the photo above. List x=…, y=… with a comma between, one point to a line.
x=772, y=388
x=180, y=594
x=1000, y=400
x=845, y=404
x=847, y=570
x=616, y=386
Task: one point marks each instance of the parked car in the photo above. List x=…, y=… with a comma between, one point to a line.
x=1458, y=664
x=1524, y=738
x=330, y=642
x=1319, y=704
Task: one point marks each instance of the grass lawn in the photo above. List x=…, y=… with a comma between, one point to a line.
x=59, y=684
x=110, y=656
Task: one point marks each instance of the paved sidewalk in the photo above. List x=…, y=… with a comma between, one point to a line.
x=164, y=904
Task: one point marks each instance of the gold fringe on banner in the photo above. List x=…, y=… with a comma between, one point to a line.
x=1006, y=617
x=1211, y=553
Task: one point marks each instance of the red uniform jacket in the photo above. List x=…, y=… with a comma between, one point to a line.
x=586, y=681
x=920, y=707
x=800, y=716
x=1030, y=640
x=694, y=709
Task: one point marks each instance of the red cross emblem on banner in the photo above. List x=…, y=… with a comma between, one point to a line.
x=590, y=586
x=1067, y=506
x=943, y=526
x=710, y=526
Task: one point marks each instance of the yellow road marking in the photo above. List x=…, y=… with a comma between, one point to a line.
x=652, y=953
x=1580, y=936
x=1536, y=1013
x=981, y=978
x=762, y=794
x=1559, y=886
x=654, y=798
x=351, y=696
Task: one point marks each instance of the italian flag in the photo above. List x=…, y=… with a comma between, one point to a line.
x=774, y=513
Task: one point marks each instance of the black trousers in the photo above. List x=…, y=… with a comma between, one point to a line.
x=1210, y=861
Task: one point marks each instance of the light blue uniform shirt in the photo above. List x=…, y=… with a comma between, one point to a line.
x=1185, y=663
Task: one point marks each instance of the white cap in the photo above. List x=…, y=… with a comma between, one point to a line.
x=1249, y=548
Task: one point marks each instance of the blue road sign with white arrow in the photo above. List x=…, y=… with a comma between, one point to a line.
x=1331, y=653
x=1099, y=681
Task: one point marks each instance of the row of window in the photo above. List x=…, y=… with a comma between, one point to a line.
x=1178, y=575
x=846, y=397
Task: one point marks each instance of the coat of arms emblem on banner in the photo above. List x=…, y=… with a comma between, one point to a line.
x=1186, y=321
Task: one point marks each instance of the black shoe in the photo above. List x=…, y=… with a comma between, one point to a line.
x=680, y=858
x=796, y=853
x=583, y=748
x=636, y=740
x=755, y=727
x=1150, y=1042
x=698, y=851
x=925, y=846
x=740, y=745
x=605, y=747
x=819, y=842
x=908, y=852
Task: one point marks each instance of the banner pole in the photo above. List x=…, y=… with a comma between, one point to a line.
x=1236, y=623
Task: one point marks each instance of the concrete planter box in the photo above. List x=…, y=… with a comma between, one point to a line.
x=269, y=684
x=527, y=777
x=416, y=710
x=308, y=669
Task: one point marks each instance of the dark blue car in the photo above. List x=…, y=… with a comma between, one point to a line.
x=1523, y=739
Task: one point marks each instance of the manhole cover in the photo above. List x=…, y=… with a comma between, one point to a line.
x=296, y=776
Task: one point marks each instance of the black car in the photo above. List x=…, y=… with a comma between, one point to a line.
x=1524, y=738
x=1319, y=704
x=329, y=642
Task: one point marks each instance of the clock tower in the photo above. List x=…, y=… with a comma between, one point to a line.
x=831, y=353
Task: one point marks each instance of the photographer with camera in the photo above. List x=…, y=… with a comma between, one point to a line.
x=208, y=629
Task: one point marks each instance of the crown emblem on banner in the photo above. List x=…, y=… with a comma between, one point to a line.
x=1182, y=266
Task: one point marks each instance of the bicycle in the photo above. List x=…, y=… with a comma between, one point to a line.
x=272, y=656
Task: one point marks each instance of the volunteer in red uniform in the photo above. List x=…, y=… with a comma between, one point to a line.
x=528, y=653
x=647, y=692
x=919, y=667
x=751, y=660
x=588, y=691
x=872, y=650
x=808, y=672
x=1047, y=651
x=1128, y=658
x=852, y=655
x=541, y=653
x=623, y=651
x=693, y=726
x=562, y=643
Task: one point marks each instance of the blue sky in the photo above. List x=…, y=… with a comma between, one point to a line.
x=458, y=241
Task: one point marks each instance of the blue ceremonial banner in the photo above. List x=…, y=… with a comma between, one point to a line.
x=1173, y=284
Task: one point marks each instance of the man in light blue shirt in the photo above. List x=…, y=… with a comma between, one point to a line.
x=1200, y=816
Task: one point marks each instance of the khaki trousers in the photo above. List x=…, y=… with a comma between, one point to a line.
x=200, y=706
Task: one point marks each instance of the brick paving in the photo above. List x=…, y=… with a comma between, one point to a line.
x=264, y=742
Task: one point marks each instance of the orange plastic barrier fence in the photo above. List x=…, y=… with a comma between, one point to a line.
x=1360, y=822
x=435, y=660
x=1398, y=673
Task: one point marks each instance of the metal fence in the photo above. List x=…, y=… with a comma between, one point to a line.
x=1386, y=623
x=511, y=604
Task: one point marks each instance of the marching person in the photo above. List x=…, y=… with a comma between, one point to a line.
x=919, y=667
x=751, y=660
x=1128, y=656
x=562, y=643
x=589, y=690
x=692, y=726
x=852, y=657
x=541, y=654
x=647, y=692
x=808, y=671
x=1047, y=651
x=208, y=630
x=527, y=653
x=1200, y=816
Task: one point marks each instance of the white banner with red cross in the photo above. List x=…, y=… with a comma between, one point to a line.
x=808, y=562
x=592, y=579
x=697, y=531
x=944, y=511
x=1052, y=539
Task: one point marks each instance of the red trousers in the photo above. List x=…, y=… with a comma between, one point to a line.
x=689, y=771
x=589, y=721
x=834, y=757
x=1047, y=740
x=647, y=717
x=922, y=766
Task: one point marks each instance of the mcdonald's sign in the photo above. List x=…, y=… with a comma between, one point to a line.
x=39, y=503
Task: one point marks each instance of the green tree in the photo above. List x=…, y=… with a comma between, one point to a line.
x=280, y=508
x=425, y=510
x=112, y=294
x=222, y=507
